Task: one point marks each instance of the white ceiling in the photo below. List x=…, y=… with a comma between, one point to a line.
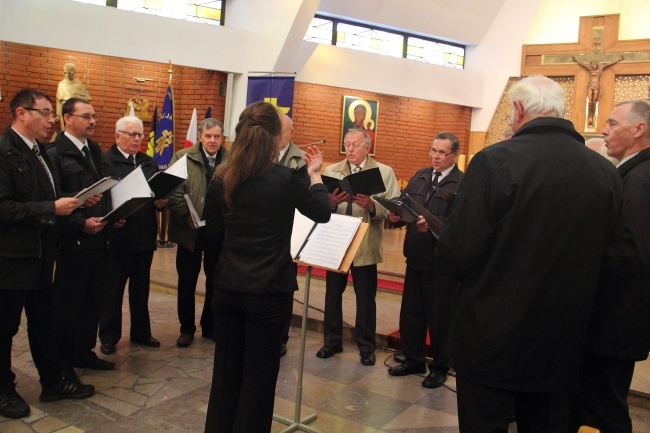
x=461, y=21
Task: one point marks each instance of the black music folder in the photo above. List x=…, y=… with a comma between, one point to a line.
x=435, y=224
x=164, y=182
x=129, y=195
x=366, y=182
x=99, y=187
x=399, y=207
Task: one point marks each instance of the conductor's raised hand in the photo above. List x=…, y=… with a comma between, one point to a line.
x=314, y=159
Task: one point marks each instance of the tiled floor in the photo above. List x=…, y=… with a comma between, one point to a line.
x=166, y=389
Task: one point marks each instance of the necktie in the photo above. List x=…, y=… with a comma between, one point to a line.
x=37, y=151
x=89, y=160
x=130, y=159
x=434, y=184
x=211, y=161
x=348, y=210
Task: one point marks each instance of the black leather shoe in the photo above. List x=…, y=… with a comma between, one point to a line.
x=12, y=405
x=283, y=350
x=368, y=358
x=107, y=348
x=184, y=340
x=149, y=342
x=327, y=352
x=92, y=362
x=435, y=379
x=66, y=388
x=406, y=369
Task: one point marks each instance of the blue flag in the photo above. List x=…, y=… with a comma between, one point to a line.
x=164, y=149
x=208, y=113
x=277, y=91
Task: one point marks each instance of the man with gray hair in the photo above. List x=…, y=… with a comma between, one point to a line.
x=132, y=245
x=193, y=245
x=534, y=216
x=619, y=333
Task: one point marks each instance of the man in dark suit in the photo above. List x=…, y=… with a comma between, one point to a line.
x=619, y=334
x=28, y=210
x=132, y=245
x=534, y=216
x=426, y=301
x=80, y=277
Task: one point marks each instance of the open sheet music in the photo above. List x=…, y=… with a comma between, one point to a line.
x=129, y=195
x=323, y=245
x=164, y=182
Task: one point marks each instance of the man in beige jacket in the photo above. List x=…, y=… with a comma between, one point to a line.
x=364, y=266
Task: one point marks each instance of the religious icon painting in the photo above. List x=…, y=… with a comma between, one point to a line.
x=359, y=113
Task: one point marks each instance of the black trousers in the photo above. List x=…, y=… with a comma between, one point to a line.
x=482, y=409
x=600, y=400
x=426, y=305
x=364, y=279
x=188, y=266
x=79, y=290
x=246, y=362
x=40, y=333
x=134, y=267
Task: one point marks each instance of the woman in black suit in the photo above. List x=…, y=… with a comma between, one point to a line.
x=249, y=207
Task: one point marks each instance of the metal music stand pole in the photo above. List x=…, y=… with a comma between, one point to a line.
x=298, y=424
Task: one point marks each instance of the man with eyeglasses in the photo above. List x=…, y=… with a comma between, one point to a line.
x=30, y=204
x=364, y=266
x=426, y=300
x=80, y=277
x=193, y=245
x=132, y=245
x=533, y=221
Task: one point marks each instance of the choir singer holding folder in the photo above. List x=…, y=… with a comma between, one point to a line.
x=364, y=267
x=132, y=245
x=426, y=301
x=251, y=204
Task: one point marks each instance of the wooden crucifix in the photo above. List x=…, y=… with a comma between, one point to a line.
x=594, y=61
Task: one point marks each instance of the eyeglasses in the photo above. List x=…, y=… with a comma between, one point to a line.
x=133, y=134
x=352, y=146
x=87, y=116
x=44, y=111
x=434, y=152
x=509, y=120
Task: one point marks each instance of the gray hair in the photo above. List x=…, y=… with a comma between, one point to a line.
x=639, y=113
x=539, y=96
x=128, y=119
x=209, y=123
x=366, y=137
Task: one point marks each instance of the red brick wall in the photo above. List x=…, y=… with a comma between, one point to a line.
x=110, y=82
x=405, y=126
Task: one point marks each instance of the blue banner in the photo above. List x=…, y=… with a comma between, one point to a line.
x=165, y=133
x=151, y=146
x=277, y=91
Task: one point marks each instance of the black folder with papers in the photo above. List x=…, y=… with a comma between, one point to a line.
x=366, y=182
x=399, y=207
x=99, y=187
x=164, y=182
x=129, y=195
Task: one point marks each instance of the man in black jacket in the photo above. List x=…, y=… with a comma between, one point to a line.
x=426, y=301
x=132, y=245
x=619, y=333
x=28, y=210
x=80, y=276
x=533, y=219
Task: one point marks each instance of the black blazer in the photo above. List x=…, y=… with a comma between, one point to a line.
x=255, y=257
